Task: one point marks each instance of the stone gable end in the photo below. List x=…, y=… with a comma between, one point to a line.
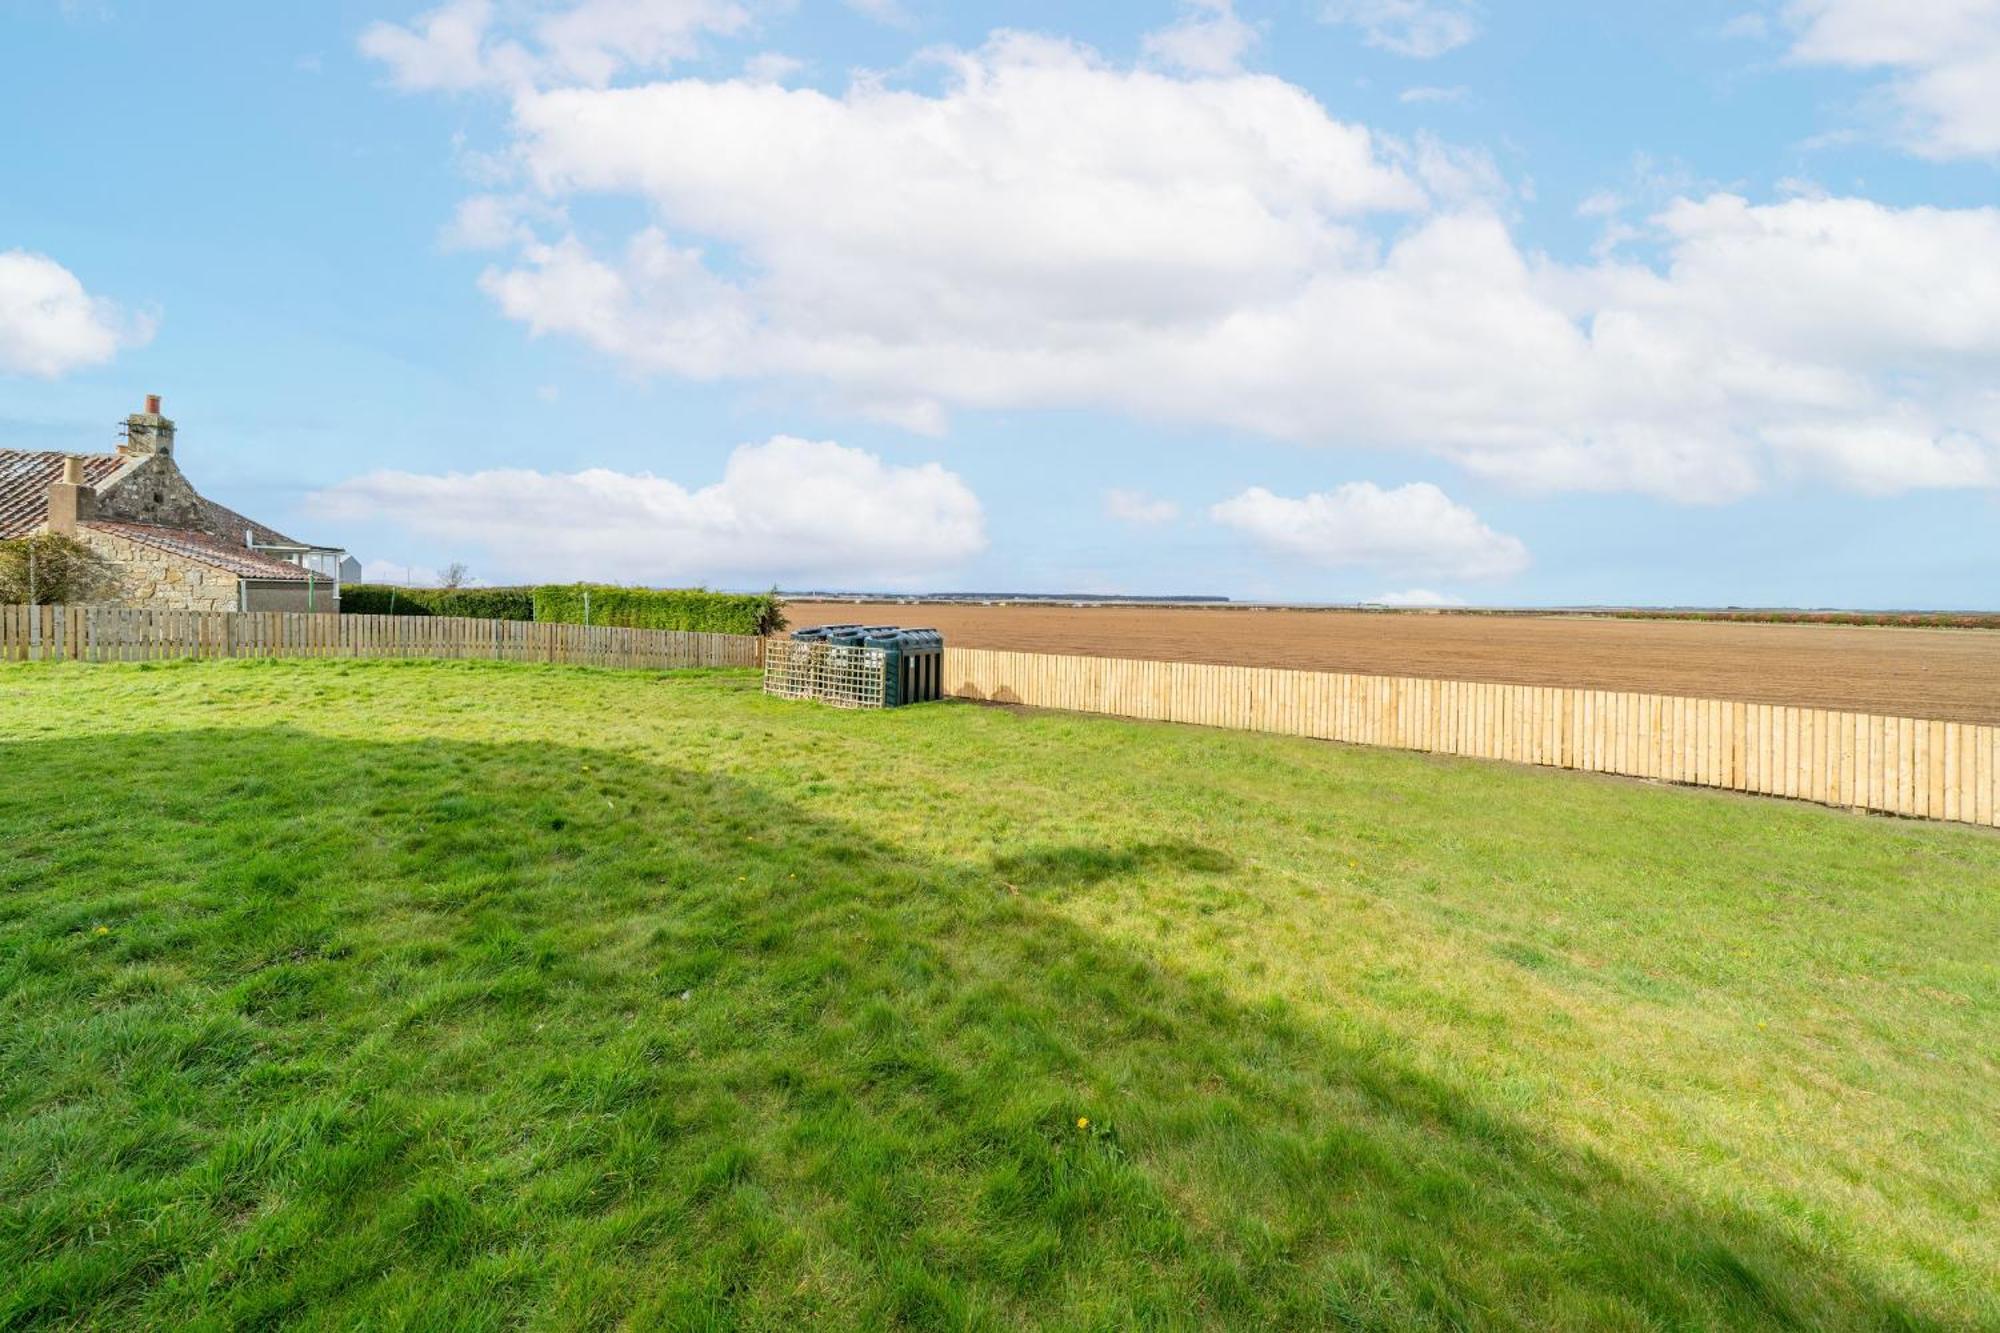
x=152, y=491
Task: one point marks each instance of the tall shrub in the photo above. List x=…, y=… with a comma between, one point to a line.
x=661, y=608
x=377, y=599
x=52, y=569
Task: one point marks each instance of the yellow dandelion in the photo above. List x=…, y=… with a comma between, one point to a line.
x=1083, y=1122
x=104, y=930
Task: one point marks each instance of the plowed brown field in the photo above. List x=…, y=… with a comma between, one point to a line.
x=1949, y=674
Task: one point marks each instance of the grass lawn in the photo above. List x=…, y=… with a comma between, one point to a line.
x=471, y=996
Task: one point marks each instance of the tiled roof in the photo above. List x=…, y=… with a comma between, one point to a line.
x=26, y=475
x=25, y=478
x=207, y=548
x=229, y=525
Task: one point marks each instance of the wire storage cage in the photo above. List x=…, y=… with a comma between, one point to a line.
x=857, y=666
x=842, y=675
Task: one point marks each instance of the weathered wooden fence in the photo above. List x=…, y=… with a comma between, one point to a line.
x=1895, y=765
x=113, y=634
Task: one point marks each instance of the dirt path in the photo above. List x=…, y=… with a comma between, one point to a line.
x=1951, y=674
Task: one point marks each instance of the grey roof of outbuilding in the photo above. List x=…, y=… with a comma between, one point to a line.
x=229, y=525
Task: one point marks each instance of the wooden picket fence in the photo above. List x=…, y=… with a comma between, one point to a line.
x=116, y=634
x=1918, y=767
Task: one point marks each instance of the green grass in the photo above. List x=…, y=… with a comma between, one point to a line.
x=471, y=996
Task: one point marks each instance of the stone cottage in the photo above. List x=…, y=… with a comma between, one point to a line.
x=170, y=547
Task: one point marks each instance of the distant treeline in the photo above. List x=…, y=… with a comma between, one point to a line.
x=994, y=598
x=577, y=604
x=1893, y=619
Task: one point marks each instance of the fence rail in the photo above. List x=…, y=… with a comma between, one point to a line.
x=1918, y=767
x=116, y=634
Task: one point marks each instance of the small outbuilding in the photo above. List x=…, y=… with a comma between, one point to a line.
x=168, y=546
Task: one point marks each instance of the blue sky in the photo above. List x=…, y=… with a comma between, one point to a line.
x=1315, y=300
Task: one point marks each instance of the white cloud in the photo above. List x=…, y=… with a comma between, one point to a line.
x=50, y=325
x=788, y=510
x=890, y=12
x=1139, y=508
x=407, y=576
x=1208, y=38
x=1884, y=456
x=468, y=44
x=1417, y=597
x=1942, y=57
x=1747, y=26
x=1415, y=530
x=446, y=48
x=495, y=222
x=1046, y=230
x=660, y=307
x=1601, y=204
x=1420, y=29
x=1424, y=93
x=772, y=67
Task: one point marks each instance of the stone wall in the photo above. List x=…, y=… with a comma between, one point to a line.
x=148, y=577
x=154, y=492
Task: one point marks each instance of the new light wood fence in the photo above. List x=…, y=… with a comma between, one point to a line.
x=1895, y=765
x=113, y=634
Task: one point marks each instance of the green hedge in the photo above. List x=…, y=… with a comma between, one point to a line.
x=638, y=608
x=661, y=608
x=376, y=599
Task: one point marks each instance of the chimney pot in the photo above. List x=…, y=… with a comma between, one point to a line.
x=148, y=433
x=72, y=471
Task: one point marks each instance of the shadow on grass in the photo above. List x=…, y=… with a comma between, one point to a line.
x=1083, y=865
x=470, y=1035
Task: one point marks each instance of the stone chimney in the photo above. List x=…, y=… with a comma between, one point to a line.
x=147, y=432
x=70, y=500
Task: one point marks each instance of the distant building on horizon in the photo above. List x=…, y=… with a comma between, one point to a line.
x=170, y=547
